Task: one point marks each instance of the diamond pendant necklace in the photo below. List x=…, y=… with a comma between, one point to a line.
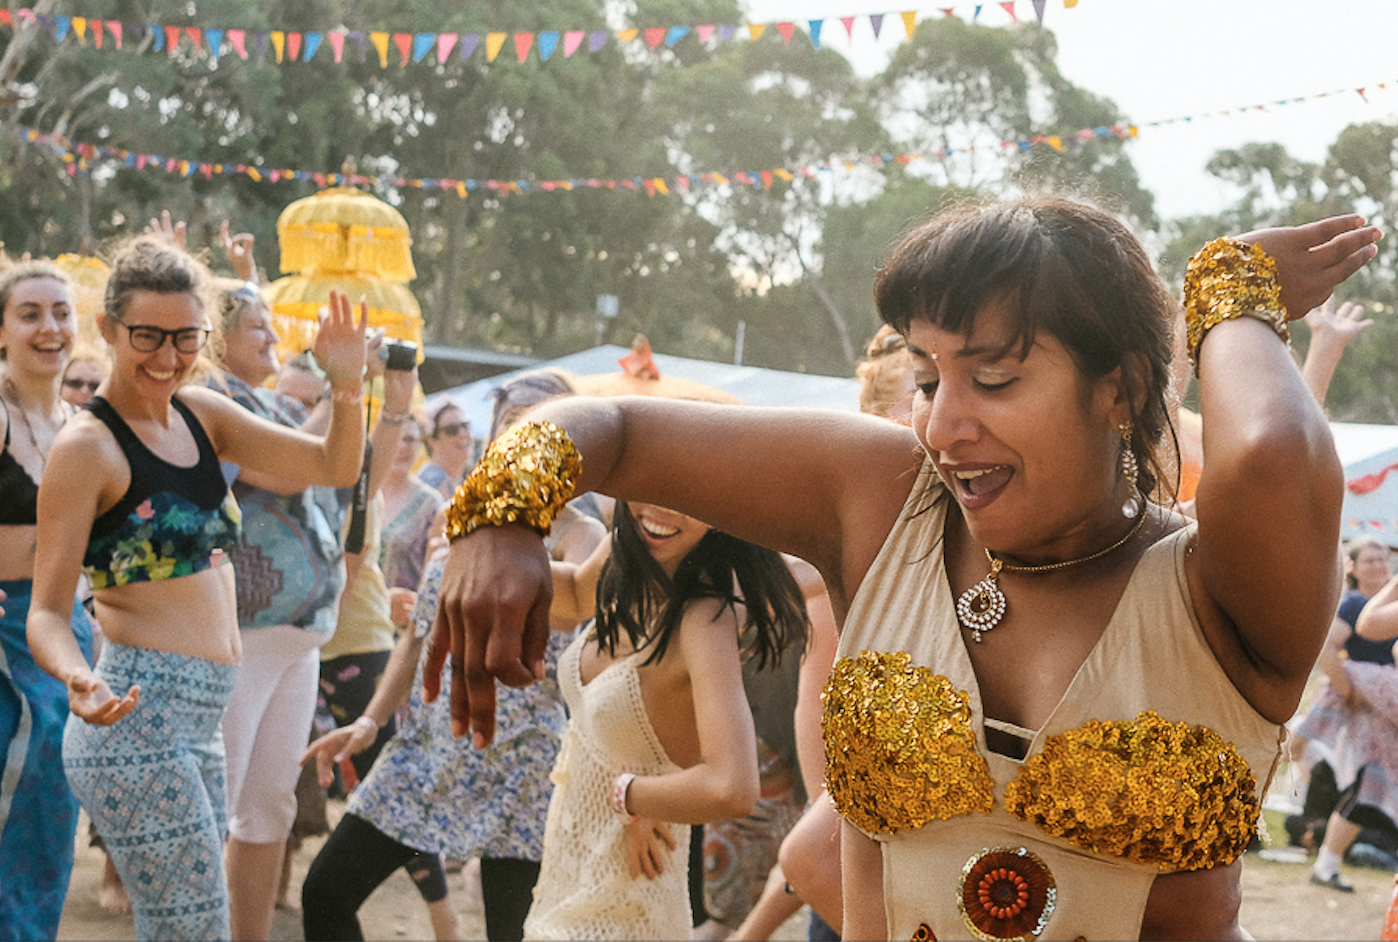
x=981, y=607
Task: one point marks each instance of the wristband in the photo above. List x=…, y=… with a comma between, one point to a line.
x=393, y=419
x=347, y=397
x=367, y=719
x=335, y=376
x=1228, y=279
x=618, y=801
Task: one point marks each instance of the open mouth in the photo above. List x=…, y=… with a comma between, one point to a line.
x=161, y=376
x=656, y=530
x=979, y=486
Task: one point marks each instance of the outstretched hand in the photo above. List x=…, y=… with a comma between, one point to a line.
x=91, y=700
x=1314, y=258
x=646, y=838
x=493, y=619
x=168, y=231
x=238, y=250
x=336, y=746
x=1340, y=324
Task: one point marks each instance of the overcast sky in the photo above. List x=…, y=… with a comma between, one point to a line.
x=1166, y=59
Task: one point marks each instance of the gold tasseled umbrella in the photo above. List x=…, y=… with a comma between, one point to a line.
x=345, y=229
x=296, y=301
x=89, y=279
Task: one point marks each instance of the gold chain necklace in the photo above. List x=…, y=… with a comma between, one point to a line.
x=981, y=607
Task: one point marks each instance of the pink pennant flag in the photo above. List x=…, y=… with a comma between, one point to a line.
x=849, y=25
x=337, y=44
x=704, y=32
x=910, y=22
x=404, y=42
x=655, y=36
x=571, y=41
x=523, y=43
x=114, y=27
x=787, y=30
x=445, y=43
x=1009, y=7
x=238, y=39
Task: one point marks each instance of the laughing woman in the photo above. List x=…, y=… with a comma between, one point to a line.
x=135, y=498
x=1057, y=703
x=38, y=813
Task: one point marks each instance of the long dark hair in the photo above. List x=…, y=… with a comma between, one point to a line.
x=635, y=596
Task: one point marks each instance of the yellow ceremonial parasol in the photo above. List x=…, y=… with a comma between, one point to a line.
x=345, y=229
x=88, y=276
x=296, y=301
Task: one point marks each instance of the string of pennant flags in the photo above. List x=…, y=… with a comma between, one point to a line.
x=304, y=46
x=79, y=156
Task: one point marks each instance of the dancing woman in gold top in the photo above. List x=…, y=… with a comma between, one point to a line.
x=1058, y=702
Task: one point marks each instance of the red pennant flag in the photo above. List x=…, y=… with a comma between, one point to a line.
x=337, y=45
x=172, y=39
x=97, y=33
x=949, y=11
x=766, y=179
x=1361, y=95
x=293, y=46
x=114, y=27
x=4, y=17
x=195, y=37
x=571, y=41
x=849, y=25
x=1009, y=7
x=787, y=30
x=404, y=42
x=655, y=36
x=523, y=43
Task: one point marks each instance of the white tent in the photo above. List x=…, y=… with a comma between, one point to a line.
x=1369, y=454
x=753, y=385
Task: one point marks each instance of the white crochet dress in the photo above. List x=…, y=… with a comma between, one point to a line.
x=585, y=889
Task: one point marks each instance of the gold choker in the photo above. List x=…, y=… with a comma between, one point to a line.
x=982, y=607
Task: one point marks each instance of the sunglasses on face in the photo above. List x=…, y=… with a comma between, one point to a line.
x=453, y=429
x=88, y=384
x=150, y=339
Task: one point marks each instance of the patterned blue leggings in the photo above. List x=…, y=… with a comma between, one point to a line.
x=153, y=784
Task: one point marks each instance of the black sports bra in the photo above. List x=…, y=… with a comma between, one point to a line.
x=19, y=495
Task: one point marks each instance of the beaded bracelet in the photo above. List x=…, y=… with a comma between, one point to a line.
x=618, y=799
x=392, y=419
x=1228, y=279
x=525, y=476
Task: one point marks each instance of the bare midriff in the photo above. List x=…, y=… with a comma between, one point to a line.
x=195, y=615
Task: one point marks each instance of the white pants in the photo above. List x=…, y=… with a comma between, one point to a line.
x=266, y=728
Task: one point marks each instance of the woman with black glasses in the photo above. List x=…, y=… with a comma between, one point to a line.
x=136, y=499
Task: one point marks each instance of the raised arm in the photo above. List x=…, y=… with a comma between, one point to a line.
x=1265, y=574
x=575, y=588
x=1378, y=621
x=1332, y=329
x=796, y=481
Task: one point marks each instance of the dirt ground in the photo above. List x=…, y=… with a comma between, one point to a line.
x=1278, y=903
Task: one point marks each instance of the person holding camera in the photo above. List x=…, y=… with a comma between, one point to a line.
x=291, y=570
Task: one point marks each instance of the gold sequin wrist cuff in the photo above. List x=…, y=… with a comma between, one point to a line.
x=1228, y=279
x=525, y=476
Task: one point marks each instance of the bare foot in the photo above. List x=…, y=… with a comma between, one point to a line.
x=288, y=904
x=113, y=898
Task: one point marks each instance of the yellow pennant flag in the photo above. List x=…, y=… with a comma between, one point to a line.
x=461, y=188
x=783, y=174
x=80, y=27
x=755, y=30
x=1070, y=3
x=1055, y=142
x=254, y=175
x=720, y=178
x=278, y=44
x=910, y=22
x=494, y=42
x=626, y=35
x=380, y=41
x=660, y=187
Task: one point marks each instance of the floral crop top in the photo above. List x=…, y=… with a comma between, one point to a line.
x=171, y=522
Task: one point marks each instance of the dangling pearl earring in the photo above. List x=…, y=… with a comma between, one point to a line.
x=1131, y=471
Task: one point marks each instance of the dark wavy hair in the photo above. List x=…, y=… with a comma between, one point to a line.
x=636, y=597
x=1064, y=267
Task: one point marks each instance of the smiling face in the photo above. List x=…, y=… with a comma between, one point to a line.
x=1370, y=569
x=669, y=536
x=1027, y=444
x=157, y=374
x=36, y=332
x=250, y=349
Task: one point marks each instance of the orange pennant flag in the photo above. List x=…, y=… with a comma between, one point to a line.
x=755, y=30
x=380, y=41
x=784, y=174
x=80, y=27
x=523, y=43
x=910, y=22
x=494, y=42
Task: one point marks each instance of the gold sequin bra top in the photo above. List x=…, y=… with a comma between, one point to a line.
x=901, y=751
